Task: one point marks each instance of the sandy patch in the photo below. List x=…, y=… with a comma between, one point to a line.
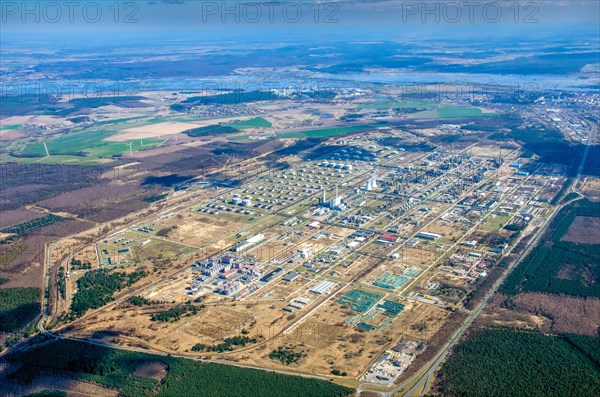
x=152, y=370
x=153, y=131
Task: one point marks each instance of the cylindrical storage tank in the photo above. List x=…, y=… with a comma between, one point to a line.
x=247, y=202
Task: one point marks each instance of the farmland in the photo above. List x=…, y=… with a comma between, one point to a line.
x=87, y=143
x=329, y=132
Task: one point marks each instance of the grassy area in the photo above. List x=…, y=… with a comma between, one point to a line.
x=10, y=127
x=252, y=123
x=88, y=143
x=326, y=132
x=451, y=113
x=210, y=130
x=398, y=105
x=509, y=362
x=239, y=137
x=115, y=368
x=117, y=121
x=459, y=112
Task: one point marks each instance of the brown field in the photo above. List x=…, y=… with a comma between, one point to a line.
x=14, y=217
x=591, y=188
x=569, y=314
x=198, y=229
x=97, y=203
x=584, y=229
x=152, y=370
x=154, y=131
x=496, y=314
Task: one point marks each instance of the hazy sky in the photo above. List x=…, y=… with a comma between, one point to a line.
x=368, y=19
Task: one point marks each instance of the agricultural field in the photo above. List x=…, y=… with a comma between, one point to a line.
x=91, y=143
x=323, y=133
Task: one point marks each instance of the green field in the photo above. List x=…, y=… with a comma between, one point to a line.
x=10, y=127
x=88, y=143
x=256, y=122
x=511, y=363
x=451, y=113
x=115, y=368
x=398, y=105
x=327, y=132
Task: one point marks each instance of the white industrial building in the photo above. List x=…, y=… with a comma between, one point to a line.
x=323, y=287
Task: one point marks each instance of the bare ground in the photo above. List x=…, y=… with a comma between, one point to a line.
x=584, y=229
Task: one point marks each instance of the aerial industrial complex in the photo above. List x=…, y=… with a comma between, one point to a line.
x=363, y=252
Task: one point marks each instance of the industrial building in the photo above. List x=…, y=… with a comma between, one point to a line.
x=428, y=236
x=323, y=287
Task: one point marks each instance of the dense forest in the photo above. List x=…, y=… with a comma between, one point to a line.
x=539, y=271
x=509, y=363
x=174, y=314
x=97, y=287
x=210, y=130
x=114, y=368
x=18, y=306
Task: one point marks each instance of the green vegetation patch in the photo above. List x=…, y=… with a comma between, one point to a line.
x=285, y=355
x=18, y=306
x=10, y=127
x=588, y=345
x=115, y=368
x=10, y=251
x=398, y=105
x=26, y=227
x=210, y=130
x=256, y=122
x=89, y=142
x=153, y=199
x=228, y=344
x=48, y=393
x=460, y=112
x=174, y=314
x=560, y=267
x=97, y=287
x=508, y=362
x=327, y=132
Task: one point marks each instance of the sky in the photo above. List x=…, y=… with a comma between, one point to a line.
x=287, y=19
